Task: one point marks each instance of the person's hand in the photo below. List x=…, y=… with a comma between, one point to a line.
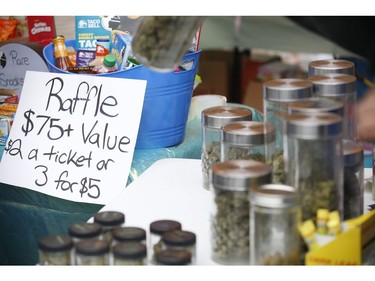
x=366, y=117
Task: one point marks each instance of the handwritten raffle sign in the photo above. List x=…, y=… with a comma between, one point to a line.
x=74, y=136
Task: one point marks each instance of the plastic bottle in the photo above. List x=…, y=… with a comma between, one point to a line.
x=108, y=65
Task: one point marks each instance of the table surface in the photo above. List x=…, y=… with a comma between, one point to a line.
x=172, y=189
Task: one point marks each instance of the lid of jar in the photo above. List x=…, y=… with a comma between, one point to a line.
x=274, y=196
x=217, y=116
x=130, y=250
x=353, y=153
x=333, y=84
x=92, y=247
x=162, y=226
x=248, y=133
x=173, y=257
x=55, y=243
x=287, y=89
x=85, y=230
x=128, y=233
x=239, y=175
x=179, y=238
x=109, y=60
x=109, y=218
x=331, y=66
x=307, y=126
x=316, y=105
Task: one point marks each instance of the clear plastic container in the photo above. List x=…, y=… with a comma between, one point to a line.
x=277, y=95
x=314, y=159
x=229, y=216
x=92, y=252
x=331, y=66
x=212, y=121
x=353, y=179
x=129, y=253
x=108, y=65
x=275, y=214
x=342, y=88
x=160, y=42
x=157, y=229
x=181, y=240
x=55, y=250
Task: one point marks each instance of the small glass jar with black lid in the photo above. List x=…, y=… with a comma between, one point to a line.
x=55, y=250
x=129, y=253
x=85, y=230
x=92, y=252
x=181, y=240
x=173, y=257
x=109, y=220
x=129, y=234
x=229, y=215
x=212, y=121
x=157, y=229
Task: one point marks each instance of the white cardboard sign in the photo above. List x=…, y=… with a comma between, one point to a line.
x=74, y=136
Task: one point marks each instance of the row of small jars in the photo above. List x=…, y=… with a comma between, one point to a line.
x=106, y=241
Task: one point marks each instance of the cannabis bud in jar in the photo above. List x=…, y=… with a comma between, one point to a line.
x=229, y=217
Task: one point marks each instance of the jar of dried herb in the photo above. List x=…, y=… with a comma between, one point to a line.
x=92, y=252
x=130, y=253
x=342, y=88
x=353, y=179
x=157, y=229
x=330, y=66
x=109, y=220
x=212, y=121
x=275, y=213
x=181, y=240
x=247, y=140
x=229, y=216
x=55, y=250
x=315, y=161
x=277, y=94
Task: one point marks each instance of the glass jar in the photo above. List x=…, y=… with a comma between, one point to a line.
x=128, y=234
x=160, y=42
x=249, y=140
x=212, y=120
x=181, y=240
x=314, y=158
x=277, y=95
x=92, y=252
x=157, y=229
x=55, y=250
x=85, y=230
x=229, y=216
x=331, y=66
x=316, y=105
x=173, y=257
x=342, y=88
x=109, y=220
x=353, y=179
x=130, y=253
x=275, y=214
